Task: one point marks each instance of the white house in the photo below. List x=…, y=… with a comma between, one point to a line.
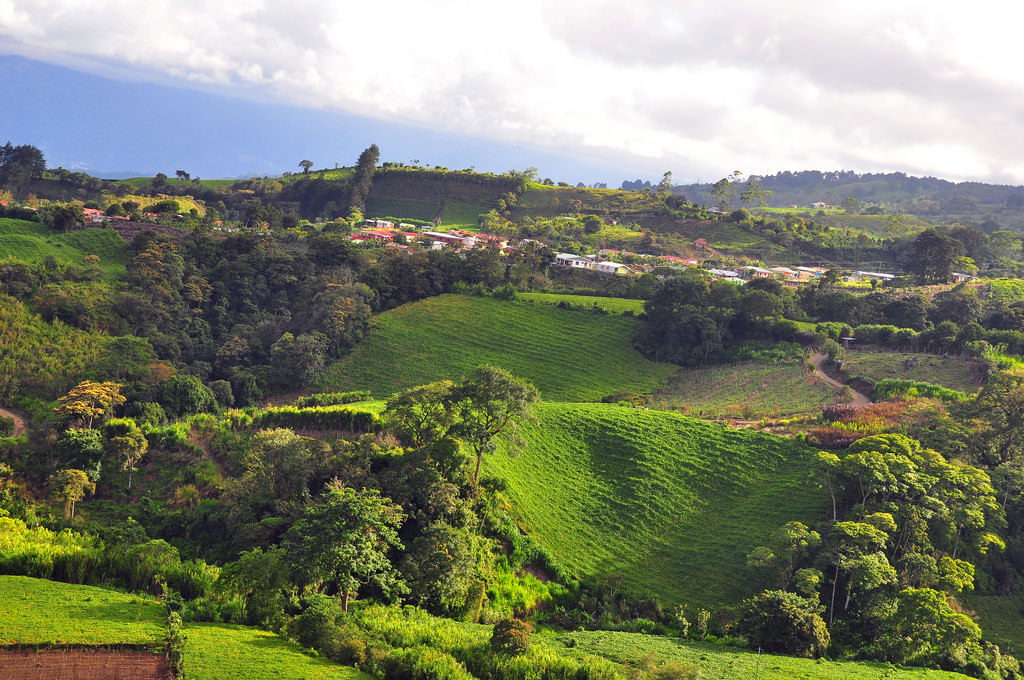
x=875, y=275
x=759, y=272
x=612, y=268
x=574, y=261
x=725, y=273
x=960, y=278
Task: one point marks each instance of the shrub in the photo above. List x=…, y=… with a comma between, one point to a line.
x=511, y=637
x=777, y=621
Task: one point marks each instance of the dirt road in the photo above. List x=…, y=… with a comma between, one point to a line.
x=818, y=360
x=19, y=422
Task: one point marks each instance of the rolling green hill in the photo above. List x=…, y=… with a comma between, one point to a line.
x=569, y=355
x=671, y=504
x=31, y=242
x=609, y=304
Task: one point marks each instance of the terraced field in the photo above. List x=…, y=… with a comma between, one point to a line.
x=671, y=504
x=34, y=611
x=458, y=214
x=31, y=242
x=746, y=390
x=569, y=355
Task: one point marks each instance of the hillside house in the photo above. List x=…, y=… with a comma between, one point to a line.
x=574, y=261
x=379, y=224
x=786, y=273
x=612, y=268
x=724, y=273
x=381, y=235
x=960, y=277
x=701, y=243
x=759, y=272
x=685, y=261
x=821, y=205
x=878, y=276
x=451, y=239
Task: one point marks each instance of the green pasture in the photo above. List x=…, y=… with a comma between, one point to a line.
x=226, y=652
x=669, y=504
x=569, y=355
x=955, y=373
x=32, y=242
x=609, y=304
x=401, y=208
x=34, y=611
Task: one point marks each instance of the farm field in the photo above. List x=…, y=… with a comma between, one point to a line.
x=609, y=304
x=448, y=336
x=31, y=242
x=670, y=504
x=228, y=652
x=34, y=611
x=542, y=199
x=953, y=372
x=719, y=662
x=745, y=390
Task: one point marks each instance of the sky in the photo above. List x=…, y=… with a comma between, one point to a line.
x=594, y=90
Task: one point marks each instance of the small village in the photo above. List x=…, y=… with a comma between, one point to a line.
x=405, y=237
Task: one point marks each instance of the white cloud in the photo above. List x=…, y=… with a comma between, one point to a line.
x=700, y=87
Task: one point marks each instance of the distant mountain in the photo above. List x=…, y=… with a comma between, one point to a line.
x=991, y=206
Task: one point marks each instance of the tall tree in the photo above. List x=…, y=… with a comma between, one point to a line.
x=90, y=400
x=343, y=540
x=126, y=442
x=71, y=486
x=362, y=179
x=488, y=405
x=932, y=256
x=305, y=165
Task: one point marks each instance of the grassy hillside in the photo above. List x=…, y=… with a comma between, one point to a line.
x=31, y=242
x=953, y=372
x=569, y=355
x=609, y=304
x=671, y=504
x=725, y=663
x=746, y=390
x=225, y=652
x=33, y=611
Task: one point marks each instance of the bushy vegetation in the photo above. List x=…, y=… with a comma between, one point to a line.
x=447, y=336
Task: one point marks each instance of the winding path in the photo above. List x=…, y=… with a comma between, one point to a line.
x=818, y=359
x=19, y=422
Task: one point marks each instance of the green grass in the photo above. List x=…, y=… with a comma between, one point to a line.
x=749, y=390
x=1000, y=618
x=31, y=242
x=878, y=225
x=458, y=214
x=609, y=304
x=34, y=611
x=718, y=662
x=953, y=372
x=569, y=355
x=671, y=504
x=225, y=652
